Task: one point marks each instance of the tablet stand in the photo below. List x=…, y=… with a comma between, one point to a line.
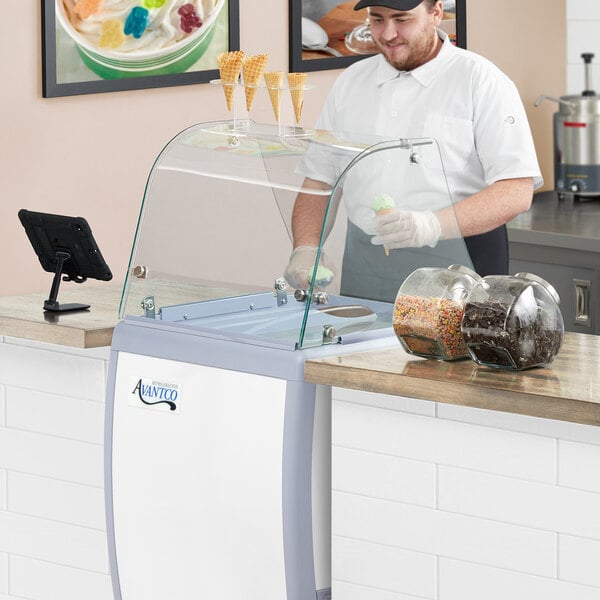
x=52, y=304
x=66, y=247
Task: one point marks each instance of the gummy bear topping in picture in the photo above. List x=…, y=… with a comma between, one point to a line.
x=112, y=34
x=136, y=22
x=147, y=25
x=86, y=8
x=189, y=18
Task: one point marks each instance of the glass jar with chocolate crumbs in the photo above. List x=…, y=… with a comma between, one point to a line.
x=428, y=311
x=513, y=322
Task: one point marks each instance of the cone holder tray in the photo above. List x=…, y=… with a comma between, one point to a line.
x=283, y=88
x=238, y=126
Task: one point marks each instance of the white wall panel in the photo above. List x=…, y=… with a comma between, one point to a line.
x=582, y=37
x=383, y=476
x=57, y=415
x=579, y=558
x=444, y=534
x=3, y=498
x=443, y=442
x=527, y=503
x=350, y=591
x=55, y=372
x=465, y=581
x=3, y=573
x=583, y=9
x=56, y=500
x=38, y=580
x=578, y=466
x=2, y=402
x=388, y=569
x=53, y=542
x=51, y=456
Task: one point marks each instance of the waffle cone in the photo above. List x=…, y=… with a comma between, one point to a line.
x=296, y=82
x=230, y=65
x=385, y=211
x=253, y=68
x=274, y=81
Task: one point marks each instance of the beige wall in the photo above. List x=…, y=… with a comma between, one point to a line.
x=530, y=44
x=90, y=155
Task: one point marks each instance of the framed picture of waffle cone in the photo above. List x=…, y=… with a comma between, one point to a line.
x=91, y=46
x=329, y=34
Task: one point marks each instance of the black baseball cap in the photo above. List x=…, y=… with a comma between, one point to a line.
x=395, y=4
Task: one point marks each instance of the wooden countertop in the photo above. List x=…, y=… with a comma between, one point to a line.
x=568, y=390
x=24, y=317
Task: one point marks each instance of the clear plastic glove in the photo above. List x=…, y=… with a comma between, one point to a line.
x=406, y=229
x=300, y=269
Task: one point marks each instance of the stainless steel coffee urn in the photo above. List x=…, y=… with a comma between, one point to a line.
x=577, y=141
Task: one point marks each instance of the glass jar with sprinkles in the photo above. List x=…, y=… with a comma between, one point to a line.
x=429, y=308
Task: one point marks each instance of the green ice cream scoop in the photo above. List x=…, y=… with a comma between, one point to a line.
x=382, y=202
x=323, y=276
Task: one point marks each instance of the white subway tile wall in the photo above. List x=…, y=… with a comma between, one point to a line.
x=477, y=509
x=52, y=528
x=572, y=455
x=388, y=568
x=467, y=581
x=583, y=35
x=3, y=573
x=38, y=579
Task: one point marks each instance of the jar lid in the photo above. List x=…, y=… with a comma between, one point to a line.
x=537, y=279
x=465, y=271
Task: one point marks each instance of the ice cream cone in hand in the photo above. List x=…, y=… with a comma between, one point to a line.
x=274, y=81
x=230, y=65
x=382, y=205
x=297, y=82
x=253, y=68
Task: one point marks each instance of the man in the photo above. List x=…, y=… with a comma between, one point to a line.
x=420, y=85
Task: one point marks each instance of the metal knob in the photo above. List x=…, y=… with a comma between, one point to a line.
x=140, y=272
x=328, y=332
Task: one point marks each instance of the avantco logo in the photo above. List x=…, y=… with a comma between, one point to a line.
x=158, y=395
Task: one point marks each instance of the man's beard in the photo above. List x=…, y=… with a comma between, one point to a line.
x=417, y=55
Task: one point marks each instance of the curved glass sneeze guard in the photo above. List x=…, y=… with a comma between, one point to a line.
x=214, y=234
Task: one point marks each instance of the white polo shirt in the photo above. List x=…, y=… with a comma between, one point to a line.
x=459, y=98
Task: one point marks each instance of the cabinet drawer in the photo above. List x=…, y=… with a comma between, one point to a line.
x=577, y=288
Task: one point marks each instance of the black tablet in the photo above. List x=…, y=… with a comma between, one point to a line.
x=65, y=246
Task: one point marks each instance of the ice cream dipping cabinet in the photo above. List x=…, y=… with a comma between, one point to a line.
x=217, y=458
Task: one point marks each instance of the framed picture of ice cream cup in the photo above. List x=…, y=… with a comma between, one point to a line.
x=329, y=34
x=91, y=46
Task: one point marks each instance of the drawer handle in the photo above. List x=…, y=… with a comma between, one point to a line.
x=582, y=302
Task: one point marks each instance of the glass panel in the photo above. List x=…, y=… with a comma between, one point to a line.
x=411, y=175
x=219, y=213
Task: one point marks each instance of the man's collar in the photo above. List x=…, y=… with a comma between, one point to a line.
x=424, y=74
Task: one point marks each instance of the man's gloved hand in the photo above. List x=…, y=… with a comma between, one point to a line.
x=407, y=229
x=300, y=269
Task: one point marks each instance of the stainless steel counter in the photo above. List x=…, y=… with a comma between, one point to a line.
x=559, y=223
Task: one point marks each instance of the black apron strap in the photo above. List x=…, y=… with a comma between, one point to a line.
x=489, y=252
